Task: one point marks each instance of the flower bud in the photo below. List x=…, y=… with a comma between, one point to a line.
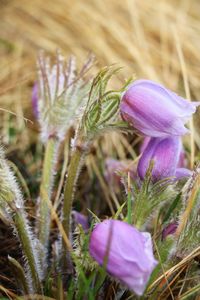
x=126, y=252
x=165, y=153
x=169, y=230
x=154, y=110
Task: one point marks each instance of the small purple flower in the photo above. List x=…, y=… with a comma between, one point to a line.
x=169, y=230
x=35, y=97
x=128, y=253
x=165, y=153
x=81, y=219
x=154, y=110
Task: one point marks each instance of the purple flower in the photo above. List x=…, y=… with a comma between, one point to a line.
x=154, y=110
x=128, y=253
x=165, y=153
x=169, y=229
x=81, y=219
x=35, y=99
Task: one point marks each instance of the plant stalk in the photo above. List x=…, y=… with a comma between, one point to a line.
x=27, y=246
x=45, y=190
x=73, y=173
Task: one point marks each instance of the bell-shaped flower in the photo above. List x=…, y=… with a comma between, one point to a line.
x=125, y=252
x=165, y=153
x=154, y=110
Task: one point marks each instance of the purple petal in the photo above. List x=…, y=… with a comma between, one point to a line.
x=182, y=172
x=130, y=254
x=155, y=111
x=165, y=153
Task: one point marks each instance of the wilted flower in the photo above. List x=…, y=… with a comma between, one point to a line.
x=154, y=110
x=126, y=252
x=114, y=168
x=62, y=93
x=165, y=153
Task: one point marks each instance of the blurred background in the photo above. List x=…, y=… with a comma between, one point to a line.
x=159, y=40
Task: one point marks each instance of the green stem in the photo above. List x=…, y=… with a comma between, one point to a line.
x=45, y=191
x=129, y=208
x=27, y=246
x=70, y=184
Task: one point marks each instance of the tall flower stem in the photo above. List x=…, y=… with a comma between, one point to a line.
x=73, y=173
x=27, y=246
x=45, y=190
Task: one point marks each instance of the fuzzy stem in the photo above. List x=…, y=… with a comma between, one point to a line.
x=69, y=191
x=27, y=246
x=45, y=190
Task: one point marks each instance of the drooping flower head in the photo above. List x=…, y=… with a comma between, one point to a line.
x=166, y=154
x=127, y=252
x=62, y=92
x=154, y=110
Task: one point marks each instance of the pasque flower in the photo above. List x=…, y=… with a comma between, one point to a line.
x=154, y=110
x=126, y=252
x=165, y=153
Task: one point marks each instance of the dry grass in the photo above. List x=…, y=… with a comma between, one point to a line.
x=145, y=37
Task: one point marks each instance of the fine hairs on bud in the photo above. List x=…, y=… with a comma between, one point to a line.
x=63, y=93
x=11, y=200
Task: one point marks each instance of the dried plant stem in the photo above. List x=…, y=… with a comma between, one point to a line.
x=45, y=190
x=27, y=246
x=72, y=177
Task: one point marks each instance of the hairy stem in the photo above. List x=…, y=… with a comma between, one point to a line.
x=27, y=246
x=72, y=177
x=45, y=191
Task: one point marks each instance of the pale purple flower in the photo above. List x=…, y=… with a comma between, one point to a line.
x=154, y=110
x=165, y=153
x=127, y=252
